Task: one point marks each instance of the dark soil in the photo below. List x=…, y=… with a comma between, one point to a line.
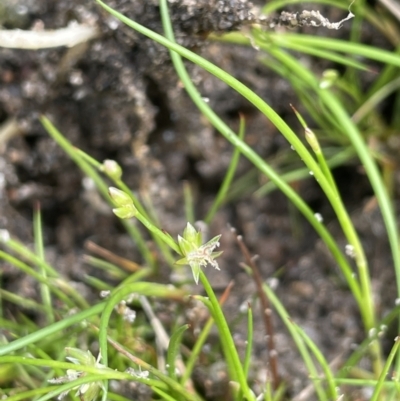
x=117, y=97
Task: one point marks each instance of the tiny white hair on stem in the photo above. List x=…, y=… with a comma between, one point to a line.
x=34, y=40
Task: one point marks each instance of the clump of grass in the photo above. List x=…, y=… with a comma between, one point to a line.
x=34, y=358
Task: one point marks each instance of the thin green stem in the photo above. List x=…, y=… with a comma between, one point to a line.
x=166, y=238
x=221, y=196
x=235, y=366
x=196, y=350
x=39, y=247
x=301, y=346
x=385, y=370
x=249, y=345
x=37, y=276
x=49, y=330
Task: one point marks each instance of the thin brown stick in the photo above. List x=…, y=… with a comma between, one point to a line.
x=265, y=309
x=226, y=293
x=112, y=257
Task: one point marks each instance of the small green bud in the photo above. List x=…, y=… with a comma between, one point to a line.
x=112, y=169
x=329, y=77
x=125, y=212
x=119, y=197
x=312, y=140
x=191, y=235
x=126, y=209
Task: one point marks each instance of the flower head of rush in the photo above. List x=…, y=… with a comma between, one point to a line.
x=87, y=391
x=195, y=253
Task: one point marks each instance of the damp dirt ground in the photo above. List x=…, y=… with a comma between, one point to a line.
x=117, y=97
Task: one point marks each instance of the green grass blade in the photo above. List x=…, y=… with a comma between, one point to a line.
x=355, y=49
x=385, y=370
x=305, y=354
x=329, y=377
x=39, y=247
x=196, y=351
x=222, y=193
x=22, y=302
x=249, y=345
x=173, y=350
x=37, y=276
x=114, y=272
x=340, y=158
x=49, y=330
x=188, y=202
x=373, y=101
x=235, y=366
